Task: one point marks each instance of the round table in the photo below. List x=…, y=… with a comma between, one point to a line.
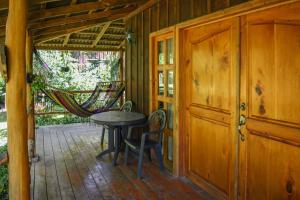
x=120, y=121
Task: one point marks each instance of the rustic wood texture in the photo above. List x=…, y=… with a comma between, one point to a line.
x=210, y=55
x=270, y=89
x=52, y=23
x=161, y=15
x=30, y=99
x=69, y=170
x=166, y=99
x=19, y=178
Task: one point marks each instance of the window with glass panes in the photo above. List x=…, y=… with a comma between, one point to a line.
x=163, y=70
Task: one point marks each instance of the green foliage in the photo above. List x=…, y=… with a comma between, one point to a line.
x=3, y=117
x=3, y=133
x=59, y=119
x=72, y=70
x=2, y=91
x=3, y=177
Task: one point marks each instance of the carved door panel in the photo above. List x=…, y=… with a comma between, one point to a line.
x=270, y=154
x=211, y=79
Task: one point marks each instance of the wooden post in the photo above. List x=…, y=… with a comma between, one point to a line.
x=19, y=176
x=30, y=99
x=122, y=72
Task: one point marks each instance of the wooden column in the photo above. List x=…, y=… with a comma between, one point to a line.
x=121, y=70
x=19, y=177
x=30, y=99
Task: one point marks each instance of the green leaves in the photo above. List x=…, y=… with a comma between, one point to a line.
x=3, y=177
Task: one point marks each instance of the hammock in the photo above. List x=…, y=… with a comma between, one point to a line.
x=113, y=90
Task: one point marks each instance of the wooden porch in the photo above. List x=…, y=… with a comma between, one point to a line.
x=68, y=169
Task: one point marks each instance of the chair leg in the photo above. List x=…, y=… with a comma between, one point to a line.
x=140, y=162
x=126, y=154
x=102, y=136
x=159, y=157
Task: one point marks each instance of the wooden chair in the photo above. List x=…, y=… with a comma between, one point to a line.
x=152, y=139
x=126, y=107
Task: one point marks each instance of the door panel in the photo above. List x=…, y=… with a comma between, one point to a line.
x=269, y=156
x=211, y=68
x=210, y=75
x=209, y=141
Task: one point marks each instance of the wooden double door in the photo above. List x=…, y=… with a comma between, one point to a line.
x=241, y=105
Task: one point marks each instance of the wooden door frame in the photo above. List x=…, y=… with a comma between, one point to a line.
x=152, y=90
x=231, y=12
x=183, y=136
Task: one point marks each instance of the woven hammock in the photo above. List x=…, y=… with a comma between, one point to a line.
x=113, y=90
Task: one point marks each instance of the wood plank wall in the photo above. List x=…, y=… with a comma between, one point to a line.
x=164, y=14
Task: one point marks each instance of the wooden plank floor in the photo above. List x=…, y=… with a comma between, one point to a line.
x=68, y=169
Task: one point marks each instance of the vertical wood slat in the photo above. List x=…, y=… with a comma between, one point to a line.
x=134, y=58
x=199, y=8
x=184, y=10
x=154, y=18
x=172, y=12
x=163, y=14
x=146, y=31
x=140, y=64
x=128, y=63
x=19, y=178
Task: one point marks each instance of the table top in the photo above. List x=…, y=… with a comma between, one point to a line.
x=118, y=118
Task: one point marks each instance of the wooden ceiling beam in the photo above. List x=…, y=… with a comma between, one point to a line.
x=78, y=25
x=99, y=36
x=4, y=3
x=80, y=18
x=64, y=10
x=66, y=40
x=51, y=36
x=55, y=32
x=82, y=48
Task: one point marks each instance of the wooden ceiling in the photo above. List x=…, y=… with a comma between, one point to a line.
x=76, y=24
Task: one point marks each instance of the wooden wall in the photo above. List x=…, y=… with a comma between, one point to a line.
x=163, y=14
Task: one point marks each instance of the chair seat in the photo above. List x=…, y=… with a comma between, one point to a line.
x=135, y=143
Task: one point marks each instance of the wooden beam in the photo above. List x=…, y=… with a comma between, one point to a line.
x=19, y=176
x=141, y=8
x=55, y=32
x=122, y=45
x=81, y=24
x=64, y=10
x=66, y=39
x=80, y=18
x=82, y=48
x=103, y=30
x=4, y=3
x=47, y=37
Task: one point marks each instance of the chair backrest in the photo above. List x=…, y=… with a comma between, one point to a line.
x=126, y=107
x=157, y=121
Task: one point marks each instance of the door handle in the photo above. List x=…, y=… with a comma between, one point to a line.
x=242, y=122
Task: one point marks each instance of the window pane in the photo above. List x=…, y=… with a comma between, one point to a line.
x=170, y=83
x=160, y=105
x=160, y=53
x=161, y=86
x=170, y=50
x=170, y=115
x=170, y=148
